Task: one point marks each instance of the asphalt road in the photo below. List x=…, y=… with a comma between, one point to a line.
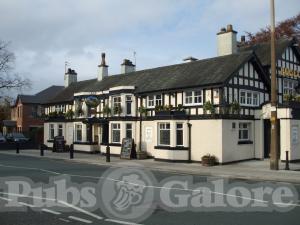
x=38, y=171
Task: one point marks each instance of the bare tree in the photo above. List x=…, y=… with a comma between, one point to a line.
x=286, y=28
x=8, y=79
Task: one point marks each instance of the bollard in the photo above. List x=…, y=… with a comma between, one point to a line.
x=107, y=153
x=42, y=150
x=71, y=151
x=17, y=147
x=287, y=166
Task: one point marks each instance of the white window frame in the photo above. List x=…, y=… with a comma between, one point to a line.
x=126, y=129
x=115, y=127
x=77, y=126
x=288, y=87
x=128, y=99
x=179, y=129
x=247, y=98
x=60, y=127
x=244, y=127
x=51, y=128
x=154, y=100
x=165, y=126
x=193, y=97
x=115, y=103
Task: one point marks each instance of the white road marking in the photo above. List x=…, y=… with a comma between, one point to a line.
x=51, y=211
x=55, y=200
x=158, y=187
x=121, y=222
x=26, y=204
x=80, y=210
x=6, y=199
x=62, y=219
x=79, y=219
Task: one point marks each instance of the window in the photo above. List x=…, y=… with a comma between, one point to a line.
x=288, y=87
x=244, y=131
x=116, y=101
x=154, y=100
x=164, y=133
x=193, y=97
x=51, y=131
x=128, y=130
x=151, y=101
x=242, y=97
x=128, y=105
x=116, y=133
x=158, y=100
x=189, y=97
x=60, y=130
x=179, y=134
x=249, y=98
x=78, y=132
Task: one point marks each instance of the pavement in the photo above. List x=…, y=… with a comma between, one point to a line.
x=249, y=170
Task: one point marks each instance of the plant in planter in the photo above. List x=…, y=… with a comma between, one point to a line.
x=209, y=107
x=117, y=110
x=235, y=107
x=208, y=160
x=180, y=108
x=159, y=108
x=106, y=110
x=168, y=107
x=289, y=97
x=78, y=111
x=69, y=114
x=61, y=114
x=143, y=111
x=53, y=114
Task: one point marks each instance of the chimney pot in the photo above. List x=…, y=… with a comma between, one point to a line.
x=229, y=28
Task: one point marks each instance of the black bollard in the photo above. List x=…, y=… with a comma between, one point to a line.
x=71, y=151
x=287, y=166
x=42, y=150
x=107, y=153
x=17, y=147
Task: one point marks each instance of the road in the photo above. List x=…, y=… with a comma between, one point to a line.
x=39, y=170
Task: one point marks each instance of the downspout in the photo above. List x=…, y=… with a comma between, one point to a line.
x=190, y=142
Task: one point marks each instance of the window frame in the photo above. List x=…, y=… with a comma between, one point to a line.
x=193, y=99
x=247, y=98
x=154, y=100
x=127, y=103
x=51, y=131
x=76, y=132
x=166, y=127
x=126, y=130
x=60, y=128
x=242, y=129
x=182, y=134
x=115, y=129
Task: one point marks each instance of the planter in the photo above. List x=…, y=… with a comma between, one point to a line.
x=208, y=161
x=179, y=113
x=163, y=113
x=141, y=155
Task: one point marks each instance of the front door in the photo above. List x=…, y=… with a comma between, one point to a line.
x=267, y=137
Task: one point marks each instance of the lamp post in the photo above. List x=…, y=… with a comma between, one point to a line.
x=274, y=160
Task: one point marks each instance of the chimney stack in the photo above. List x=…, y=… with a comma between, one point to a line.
x=70, y=77
x=102, y=68
x=127, y=66
x=227, y=42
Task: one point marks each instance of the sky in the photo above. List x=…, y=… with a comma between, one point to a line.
x=44, y=34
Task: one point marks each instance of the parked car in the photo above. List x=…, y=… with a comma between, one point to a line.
x=16, y=137
x=2, y=138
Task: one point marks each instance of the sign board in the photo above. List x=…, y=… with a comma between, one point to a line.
x=127, y=149
x=148, y=134
x=59, y=144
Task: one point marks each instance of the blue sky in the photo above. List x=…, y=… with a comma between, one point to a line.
x=44, y=34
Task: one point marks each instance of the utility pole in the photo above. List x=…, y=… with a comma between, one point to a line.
x=274, y=158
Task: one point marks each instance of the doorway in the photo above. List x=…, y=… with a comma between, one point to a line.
x=267, y=137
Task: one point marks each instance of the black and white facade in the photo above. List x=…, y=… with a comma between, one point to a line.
x=217, y=106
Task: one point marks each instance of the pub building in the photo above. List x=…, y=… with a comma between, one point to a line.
x=218, y=106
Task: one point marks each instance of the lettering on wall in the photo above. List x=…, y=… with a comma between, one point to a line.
x=289, y=73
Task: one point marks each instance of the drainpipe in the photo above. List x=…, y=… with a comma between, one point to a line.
x=190, y=142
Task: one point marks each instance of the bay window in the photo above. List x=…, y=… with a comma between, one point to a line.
x=78, y=132
x=164, y=135
x=116, y=132
x=51, y=131
x=249, y=98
